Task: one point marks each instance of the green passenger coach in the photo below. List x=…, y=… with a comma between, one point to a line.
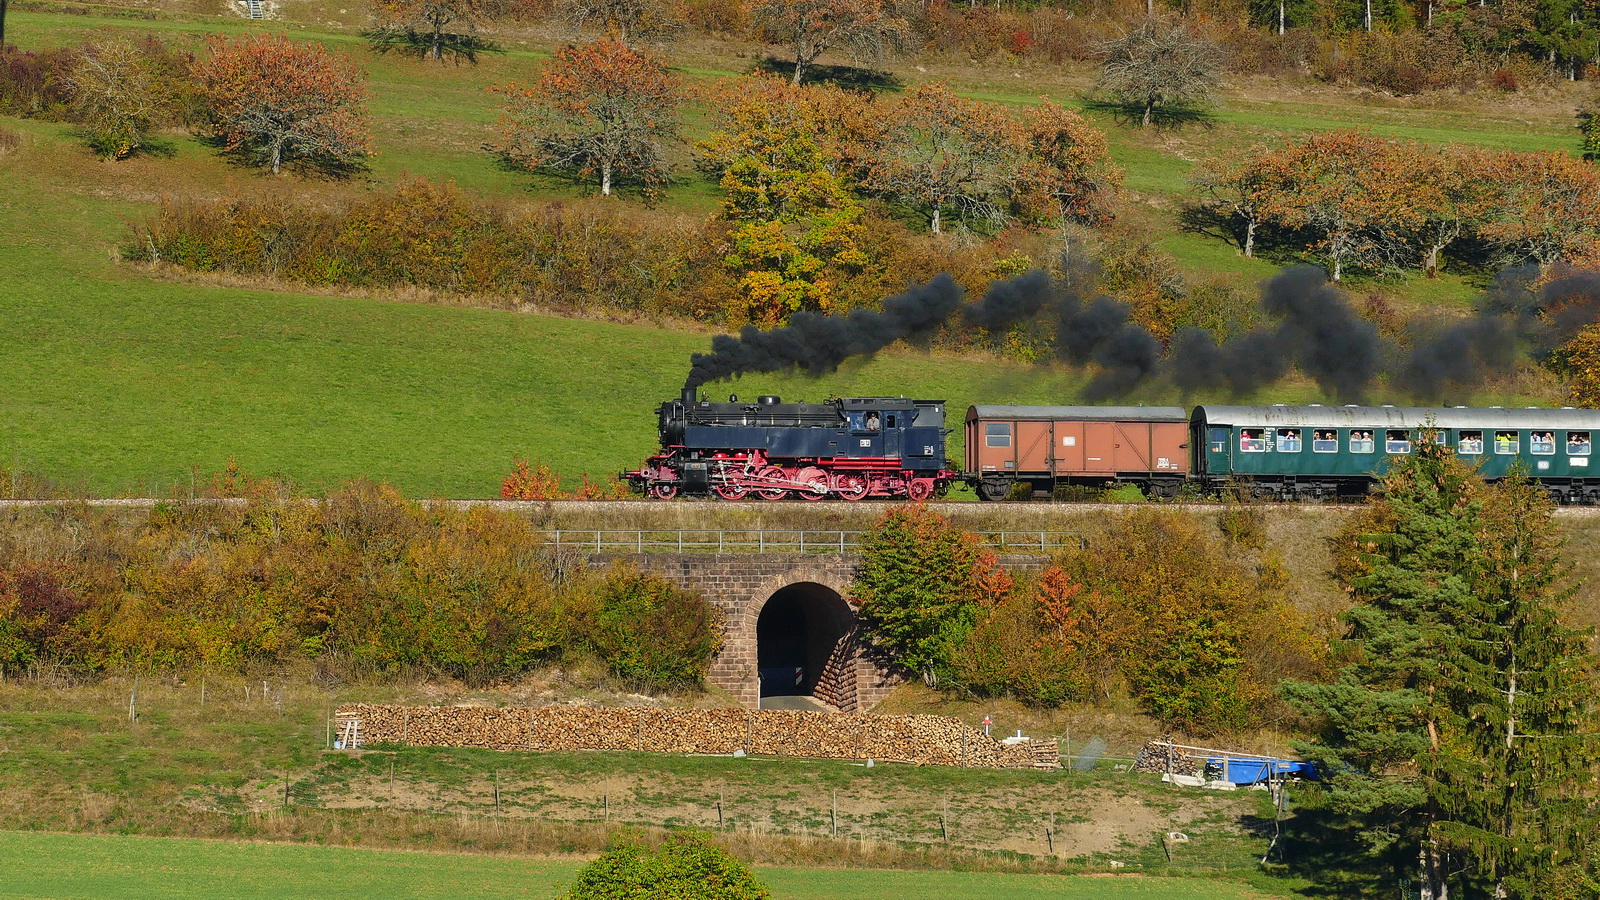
x=1311, y=452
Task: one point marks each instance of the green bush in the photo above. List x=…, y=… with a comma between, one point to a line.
x=687, y=867
x=650, y=632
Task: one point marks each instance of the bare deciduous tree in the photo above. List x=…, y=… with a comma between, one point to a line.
x=1160, y=64
x=115, y=93
x=629, y=21
x=433, y=28
x=867, y=29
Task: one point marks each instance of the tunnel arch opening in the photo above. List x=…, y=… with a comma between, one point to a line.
x=797, y=632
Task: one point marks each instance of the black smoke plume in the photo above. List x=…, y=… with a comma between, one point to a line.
x=817, y=344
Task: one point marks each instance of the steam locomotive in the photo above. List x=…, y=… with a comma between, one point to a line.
x=849, y=448
x=855, y=448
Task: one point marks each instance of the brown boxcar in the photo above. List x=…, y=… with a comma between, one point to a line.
x=1086, y=446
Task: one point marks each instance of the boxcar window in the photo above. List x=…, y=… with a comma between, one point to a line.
x=1578, y=443
x=1219, y=440
x=997, y=434
x=1543, y=443
x=1324, y=440
x=1288, y=440
x=1252, y=440
x=1397, y=440
x=1470, y=443
x=1361, y=441
x=1507, y=442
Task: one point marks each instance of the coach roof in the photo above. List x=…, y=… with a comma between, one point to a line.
x=1080, y=413
x=1397, y=417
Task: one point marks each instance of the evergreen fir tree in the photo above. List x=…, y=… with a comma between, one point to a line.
x=1455, y=735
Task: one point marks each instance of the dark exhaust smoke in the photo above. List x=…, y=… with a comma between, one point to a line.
x=818, y=344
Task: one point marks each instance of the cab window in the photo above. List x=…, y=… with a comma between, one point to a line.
x=1288, y=440
x=1470, y=443
x=1324, y=440
x=1507, y=443
x=1361, y=441
x=1578, y=443
x=1252, y=440
x=997, y=434
x=1397, y=441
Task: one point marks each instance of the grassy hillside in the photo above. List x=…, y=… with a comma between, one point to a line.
x=119, y=383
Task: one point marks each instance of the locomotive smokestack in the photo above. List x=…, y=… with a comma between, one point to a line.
x=688, y=397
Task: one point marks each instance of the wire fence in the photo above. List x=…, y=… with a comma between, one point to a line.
x=763, y=540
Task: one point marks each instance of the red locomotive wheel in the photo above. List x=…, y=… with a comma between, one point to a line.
x=731, y=491
x=921, y=489
x=663, y=491
x=851, y=487
x=773, y=473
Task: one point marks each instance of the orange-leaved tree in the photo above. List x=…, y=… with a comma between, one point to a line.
x=868, y=29
x=603, y=111
x=1545, y=206
x=433, y=28
x=1068, y=175
x=278, y=101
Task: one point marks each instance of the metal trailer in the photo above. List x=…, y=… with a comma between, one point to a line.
x=1083, y=446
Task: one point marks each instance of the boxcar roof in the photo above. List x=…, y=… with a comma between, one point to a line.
x=1081, y=413
x=1398, y=416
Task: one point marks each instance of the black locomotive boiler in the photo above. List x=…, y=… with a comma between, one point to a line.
x=848, y=448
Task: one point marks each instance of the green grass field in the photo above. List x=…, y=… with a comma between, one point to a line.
x=95, y=867
x=115, y=383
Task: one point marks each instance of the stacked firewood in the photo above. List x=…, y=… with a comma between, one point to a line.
x=922, y=740
x=1160, y=758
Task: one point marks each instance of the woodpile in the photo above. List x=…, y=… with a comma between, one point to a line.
x=1164, y=758
x=921, y=740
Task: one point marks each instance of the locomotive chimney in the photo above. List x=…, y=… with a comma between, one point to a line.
x=688, y=397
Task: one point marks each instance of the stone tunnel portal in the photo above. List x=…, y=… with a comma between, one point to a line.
x=796, y=634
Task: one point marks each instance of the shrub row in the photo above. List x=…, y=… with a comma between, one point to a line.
x=363, y=582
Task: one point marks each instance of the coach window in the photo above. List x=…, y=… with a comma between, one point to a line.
x=997, y=434
x=1543, y=443
x=1252, y=440
x=1288, y=440
x=1507, y=443
x=1219, y=439
x=1324, y=440
x=1397, y=441
x=1361, y=441
x=1470, y=443
x=1578, y=443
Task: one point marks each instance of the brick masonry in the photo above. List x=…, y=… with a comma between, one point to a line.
x=854, y=679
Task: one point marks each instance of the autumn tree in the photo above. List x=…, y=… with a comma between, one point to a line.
x=868, y=29
x=1159, y=65
x=117, y=95
x=938, y=153
x=1544, y=206
x=602, y=111
x=795, y=226
x=1238, y=189
x=629, y=21
x=278, y=101
x=433, y=28
x=1579, y=361
x=1068, y=172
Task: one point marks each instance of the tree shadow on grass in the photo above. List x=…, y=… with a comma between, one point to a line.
x=848, y=77
x=1162, y=118
x=1327, y=849
x=255, y=159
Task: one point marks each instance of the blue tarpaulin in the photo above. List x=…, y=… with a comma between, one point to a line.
x=1252, y=769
